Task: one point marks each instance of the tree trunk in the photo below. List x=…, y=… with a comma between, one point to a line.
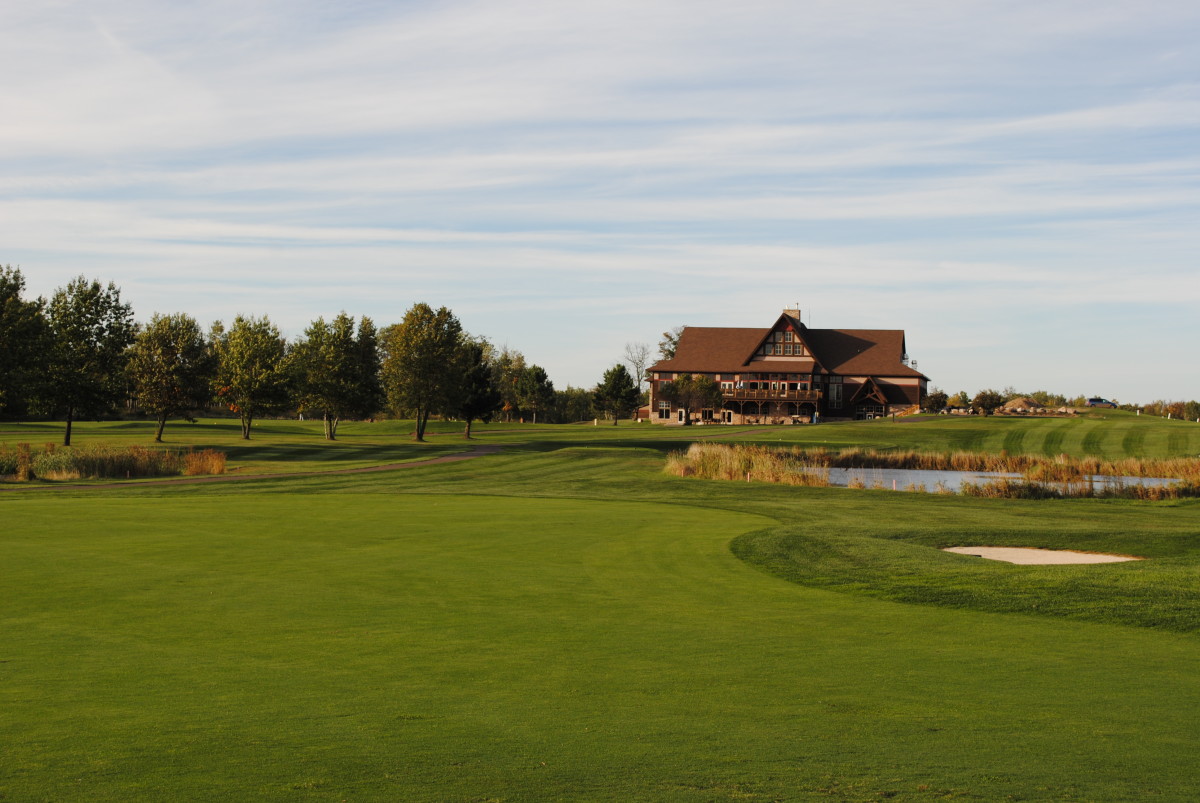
x=615, y=417
x=467, y=431
x=330, y=427
x=419, y=424
x=162, y=424
x=70, y=419
x=246, y=421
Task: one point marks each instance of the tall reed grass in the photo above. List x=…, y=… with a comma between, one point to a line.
x=1042, y=477
x=1062, y=468
x=105, y=462
x=746, y=463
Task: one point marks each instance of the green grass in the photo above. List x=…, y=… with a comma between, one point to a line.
x=562, y=621
x=296, y=446
x=274, y=446
x=1111, y=434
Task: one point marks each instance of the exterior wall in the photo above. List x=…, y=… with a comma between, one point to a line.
x=743, y=414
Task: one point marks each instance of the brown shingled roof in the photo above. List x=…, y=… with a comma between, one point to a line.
x=712, y=349
x=865, y=352
x=862, y=352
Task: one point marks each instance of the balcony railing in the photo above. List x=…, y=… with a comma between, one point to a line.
x=746, y=394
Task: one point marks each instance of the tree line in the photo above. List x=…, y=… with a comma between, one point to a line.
x=81, y=355
x=989, y=400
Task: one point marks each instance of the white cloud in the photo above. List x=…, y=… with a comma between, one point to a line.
x=616, y=166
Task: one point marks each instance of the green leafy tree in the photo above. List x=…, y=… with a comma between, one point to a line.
x=508, y=366
x=90, y=330
x=960, y=399
x=23, y=342
x=936, y=400
x=423, y=367
x=535, y=391
x=987, y=400
x=252, y=378
x=692, y=392
x=573, y=404
x=170, y=366
x=1048, y=399
x=335, y=373
x=478, y=395
x=670, y=342
x=617, y=395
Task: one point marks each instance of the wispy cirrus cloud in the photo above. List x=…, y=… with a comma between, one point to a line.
x=620, y=167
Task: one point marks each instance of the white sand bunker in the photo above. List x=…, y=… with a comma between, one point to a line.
x=1030, y=556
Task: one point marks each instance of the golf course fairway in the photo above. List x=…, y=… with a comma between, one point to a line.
x=436, y=646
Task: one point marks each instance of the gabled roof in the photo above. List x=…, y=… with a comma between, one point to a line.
x=863, y=352
x=847, y=352
x=712, y=349
x=869, y=391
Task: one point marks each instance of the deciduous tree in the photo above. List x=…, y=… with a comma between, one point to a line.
x=573, y=404
x=478, y=396
x=936, y=400
x=670, y=342
x=535, y=391
x=692, y=392
x=23, y=342
x=171, y=365
x=423, y=368
x=336, y=372
x=508, y=367
x=987, y=400
x=90, y=330
x=252, y=376
x=637, y=355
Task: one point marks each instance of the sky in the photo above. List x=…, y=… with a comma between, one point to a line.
x=1014, y=184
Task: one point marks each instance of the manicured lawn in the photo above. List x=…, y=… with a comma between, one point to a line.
x=283, y=446
x=564, y=621
x=465, y=648
x=275, y=446
x=1108, y=434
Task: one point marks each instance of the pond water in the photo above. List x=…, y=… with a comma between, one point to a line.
x=900, y=479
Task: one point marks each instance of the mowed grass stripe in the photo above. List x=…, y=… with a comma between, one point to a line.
x=461, y=648
x=1014, y=440
x=1179, y=443
x=1133, y=442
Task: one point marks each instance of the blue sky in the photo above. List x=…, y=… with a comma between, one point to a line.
x=1015, y=184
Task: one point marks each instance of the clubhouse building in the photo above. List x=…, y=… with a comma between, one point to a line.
x=788, y=373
